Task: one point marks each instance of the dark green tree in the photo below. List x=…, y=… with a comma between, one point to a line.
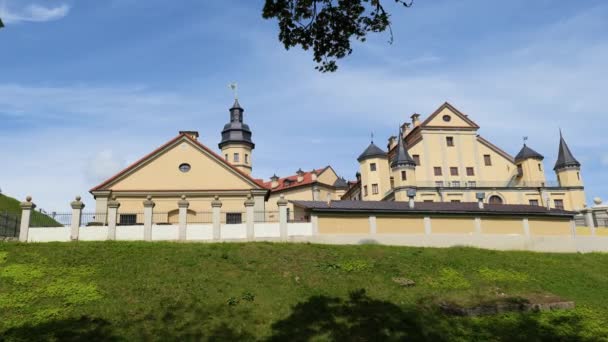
x=328, y=26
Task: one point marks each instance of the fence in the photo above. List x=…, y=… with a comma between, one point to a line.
x=54, y=219
x=9, y=224
x=232, y=217
x=266, y=216
x=200, y=217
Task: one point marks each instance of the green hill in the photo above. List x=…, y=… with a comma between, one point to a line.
x=12, y=207
x=137, y=291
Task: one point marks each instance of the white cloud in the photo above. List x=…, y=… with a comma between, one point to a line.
x=33, y=13
x=102, y=166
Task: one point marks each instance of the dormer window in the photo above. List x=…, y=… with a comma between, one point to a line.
x=372, y=167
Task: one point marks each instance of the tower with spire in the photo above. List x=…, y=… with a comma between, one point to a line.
x=403, y=170
x=530, y=170
x=375, y=175
x=236, y=144
x=568, y=171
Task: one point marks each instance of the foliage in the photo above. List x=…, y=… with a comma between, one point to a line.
x=327, y=26
x=263, y=291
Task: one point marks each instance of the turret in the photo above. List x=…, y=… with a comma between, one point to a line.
x=530, y=170
x=568, y=171
x=375, y=176
x=403, y=171
x=236, y=144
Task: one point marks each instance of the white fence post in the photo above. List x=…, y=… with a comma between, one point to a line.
x=148, y=214
x=113, y=206
x=428, y=230
x=183, y=205
x=216, y=206
x=26, y=213
x=250, y=217
x=77, y=207
x=282, y=204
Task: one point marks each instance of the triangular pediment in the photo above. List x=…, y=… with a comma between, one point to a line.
x=447, y=116
x=160, y=171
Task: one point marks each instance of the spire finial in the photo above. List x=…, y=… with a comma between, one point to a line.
x=525, y=140
x=372, y=135
x=235, y=89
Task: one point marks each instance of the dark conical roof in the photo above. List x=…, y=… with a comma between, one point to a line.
x=372, y=151
x=565, y=157
x=402, y=158
x=527, y=153
x=236, y=131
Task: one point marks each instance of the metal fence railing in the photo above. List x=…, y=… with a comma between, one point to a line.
x=93, y=219
x=201, y=217
x=164, y=218
x=39, y=219
x=9, y=224
x=292, y=217
x=266, y=216
x=601, y=222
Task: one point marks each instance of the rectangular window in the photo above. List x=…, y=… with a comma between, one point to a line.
x=540, y=167
x=455, y=201
x=374, y=189
x=456, y=184
x=449, y=141
x=226, y=157
x=534, y=202
x=234, y=218
x=437, y=170
x=470, y=171
x=487, y=159
x=559, y=204
x=520, y=170
x=392, y=182
x=236, y=158
x=428, y=201
x=454, y=171
x=127, y=219
x=246, y=159
x=416, y=159
x=403, y=175
x=438, y=183
x=365, y=190
x=472, y=184
x=578, y=176
x=372, y=167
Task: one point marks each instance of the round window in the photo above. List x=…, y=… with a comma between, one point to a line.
x=447, y=118
x=184, y=167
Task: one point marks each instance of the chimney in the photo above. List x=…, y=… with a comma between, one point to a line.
x=274, y=181
x=313, y=175
x=405, y=129
x=480, y=197
x=300, y=174
x=392, y=142
x=411, y=194
x=415, y=120
x=191, y=134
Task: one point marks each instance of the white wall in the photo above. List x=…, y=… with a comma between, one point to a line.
x=199, y=232
x=164, y=232
x=233, y=231
x=131, y=233
x=48, y=234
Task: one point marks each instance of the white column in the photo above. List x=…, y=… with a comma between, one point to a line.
x=113, y=206
x=478, y=226
x=427, y=226
x=372, y=225
x=314, y=220
x=148, y=214
x=77, y=207
x=216, y=206
x=26, y=213
x=183, y=205
x=526, y=226
x=250, y=217
x=282, y=204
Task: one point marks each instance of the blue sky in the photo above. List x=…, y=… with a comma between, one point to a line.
x=86, y=87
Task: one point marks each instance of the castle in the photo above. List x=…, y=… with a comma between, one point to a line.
x=440, y=159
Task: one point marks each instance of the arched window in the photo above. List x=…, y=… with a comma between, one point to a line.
x=495, y=200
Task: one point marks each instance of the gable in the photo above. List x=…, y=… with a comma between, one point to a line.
x=456, y=118
x=328, y=176
x=160, y=171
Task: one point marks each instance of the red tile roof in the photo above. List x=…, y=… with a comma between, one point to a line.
x=293, y=180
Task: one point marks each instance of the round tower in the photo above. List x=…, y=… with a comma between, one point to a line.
x=568, y=171
x=403, y=171
x=375, y=176
x=236, y=144
x=530, y=170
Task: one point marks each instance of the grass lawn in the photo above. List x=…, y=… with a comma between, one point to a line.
x=295, y=292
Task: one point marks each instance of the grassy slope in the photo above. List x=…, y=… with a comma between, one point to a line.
x=13, y=207
x=169, y=291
